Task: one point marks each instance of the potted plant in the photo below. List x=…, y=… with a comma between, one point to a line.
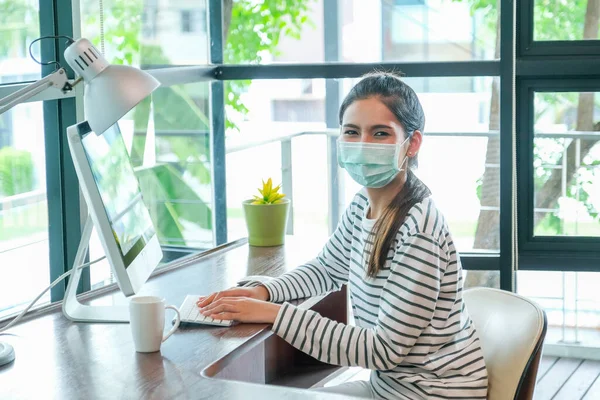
x=266, y=216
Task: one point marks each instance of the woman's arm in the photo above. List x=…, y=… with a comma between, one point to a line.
x=327, y=272
x=406, y=309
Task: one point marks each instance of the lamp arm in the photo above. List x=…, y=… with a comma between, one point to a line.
x=57, y=79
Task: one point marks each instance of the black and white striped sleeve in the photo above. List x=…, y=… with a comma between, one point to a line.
x=327, y=272
x=406, y=309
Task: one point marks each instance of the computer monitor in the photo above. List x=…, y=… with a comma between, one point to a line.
x=115, y=203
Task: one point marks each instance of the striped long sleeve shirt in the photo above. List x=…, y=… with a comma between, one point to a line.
x=412, y=328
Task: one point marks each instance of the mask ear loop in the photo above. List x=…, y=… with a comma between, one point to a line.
x=404, y=161
x=401, y=168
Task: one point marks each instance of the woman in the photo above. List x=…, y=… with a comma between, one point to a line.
x=395, y=251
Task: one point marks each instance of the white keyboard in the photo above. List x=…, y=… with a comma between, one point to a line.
x=190, y=314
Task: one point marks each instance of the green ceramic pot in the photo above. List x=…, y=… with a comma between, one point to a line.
x=266, y=223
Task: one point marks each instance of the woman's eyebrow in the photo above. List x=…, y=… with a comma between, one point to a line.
x=380, y=127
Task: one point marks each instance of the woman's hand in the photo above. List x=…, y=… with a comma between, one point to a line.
x=258, y=293
x=242, y=309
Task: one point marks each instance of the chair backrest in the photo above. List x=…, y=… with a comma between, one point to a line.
x=511, y=329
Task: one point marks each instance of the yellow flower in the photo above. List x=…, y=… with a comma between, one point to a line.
x=269, y=194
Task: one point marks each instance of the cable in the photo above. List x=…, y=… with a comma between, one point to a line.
x=70, y=41
x=101, y=6
x=56, y=281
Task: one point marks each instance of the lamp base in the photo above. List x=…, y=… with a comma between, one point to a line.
x=7, y=354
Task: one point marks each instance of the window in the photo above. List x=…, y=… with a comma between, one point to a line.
x=24, y=244
x=147, y=34
x=279, y=113
x=566, y=164
x=557, y=115
x=565, y=20
x=20, y=22
x=369, y=31
x=419, y=31
x=434, y=31
x=174, y=166
x=457, y=124
x=551, y=28
x=294, y=36
x=558, y=186
x=24, y=251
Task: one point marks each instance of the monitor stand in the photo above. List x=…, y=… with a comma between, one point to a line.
x=72, y=308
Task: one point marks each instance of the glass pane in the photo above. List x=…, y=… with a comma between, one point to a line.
x=262, y=114
x=566, y=164
x=370, y=31
x=427, y=30
x=489, y=279
x=169, y=143
x=148, y=33
x=24, y=252
x=572, y=304
x=265, y=116
x=273, y=31
x=565, y=20
x=19, y=22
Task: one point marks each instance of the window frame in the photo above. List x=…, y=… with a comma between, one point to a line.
x=528, y=47
x=547, y=250
x=62, y=187
x=548, y=66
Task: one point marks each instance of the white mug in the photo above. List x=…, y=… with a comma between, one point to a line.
x=147, y=320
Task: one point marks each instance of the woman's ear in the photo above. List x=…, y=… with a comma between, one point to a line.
x=414, y=144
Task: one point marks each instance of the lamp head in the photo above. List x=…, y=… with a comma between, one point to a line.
x=111, y=91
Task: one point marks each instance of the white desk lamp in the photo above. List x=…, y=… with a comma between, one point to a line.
x=111, y=91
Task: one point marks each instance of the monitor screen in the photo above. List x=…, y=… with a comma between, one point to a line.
x=119, y=190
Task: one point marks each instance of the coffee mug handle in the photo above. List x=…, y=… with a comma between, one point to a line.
x=176, y=325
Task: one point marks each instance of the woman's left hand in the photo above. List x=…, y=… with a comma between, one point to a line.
x=242, y=309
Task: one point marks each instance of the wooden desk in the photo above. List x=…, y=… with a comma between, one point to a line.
x=56, y=358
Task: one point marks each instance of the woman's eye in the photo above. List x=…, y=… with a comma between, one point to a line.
x=350, y=132
x=381, y=134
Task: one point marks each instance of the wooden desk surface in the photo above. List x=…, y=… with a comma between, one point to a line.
x=59, y=359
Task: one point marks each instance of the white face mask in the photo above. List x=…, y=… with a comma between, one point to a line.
x=372, y=165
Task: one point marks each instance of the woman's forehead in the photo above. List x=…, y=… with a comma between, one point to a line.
x=369, y=111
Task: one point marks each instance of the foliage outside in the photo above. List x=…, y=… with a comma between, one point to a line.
x=16, y=172
x=18, y=24
x=253, y=35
